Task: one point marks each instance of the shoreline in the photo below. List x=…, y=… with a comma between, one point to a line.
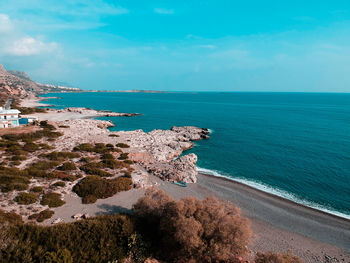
x=325, y=211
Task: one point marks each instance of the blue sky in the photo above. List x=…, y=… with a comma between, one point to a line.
x=225, y=45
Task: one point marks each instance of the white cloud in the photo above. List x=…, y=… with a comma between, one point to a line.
x=14, y=42
x=163, y=11
x=27, y=46
x=5, y=23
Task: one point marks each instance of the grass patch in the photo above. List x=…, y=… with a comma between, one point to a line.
x=36, y=189
x=60, y=156
x=93, y=168
x=52, y=200
x=42, y=216
x=67, y=166
x=94, y=187
x=26, y=198
x=122, y=145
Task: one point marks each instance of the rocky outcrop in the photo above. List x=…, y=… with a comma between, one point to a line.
x=181, y=169
x=157, y=152
x=91, y=112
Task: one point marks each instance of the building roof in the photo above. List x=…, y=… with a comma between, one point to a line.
x=12, y=111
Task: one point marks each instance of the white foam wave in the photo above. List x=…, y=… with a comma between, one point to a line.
x=275, y=191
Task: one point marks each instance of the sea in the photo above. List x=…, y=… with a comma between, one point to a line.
x=294, y=145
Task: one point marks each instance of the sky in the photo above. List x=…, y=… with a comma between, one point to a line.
x=217, y=45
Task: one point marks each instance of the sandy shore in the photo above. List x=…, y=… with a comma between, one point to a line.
x=33, y=101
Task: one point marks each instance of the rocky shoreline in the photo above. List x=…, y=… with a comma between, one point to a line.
x=152, y=154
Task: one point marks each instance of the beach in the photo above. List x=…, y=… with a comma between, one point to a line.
x=278, y=224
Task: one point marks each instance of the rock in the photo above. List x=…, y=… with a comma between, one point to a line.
x=85, y=216
x=77, y=216
x=181, y=169
x=57, y=221
x=185, y=168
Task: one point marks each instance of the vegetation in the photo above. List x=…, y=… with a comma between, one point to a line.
x=64, y=176
x=46, y=125
x=92, y=188
x=97, y=148
x=13, y=179
x=67, y=166
x=123, y=156
x=192, y=230
x=33, y=136
x=42, y=216
x=52, y=200
x=60, y=156
x=100, y=239
x=36, y=189
x=122, y=145
x=26, y=198
x=113, y=135
x=27, y=110
x=188, y=230
x=9, y=217
x=93, y=168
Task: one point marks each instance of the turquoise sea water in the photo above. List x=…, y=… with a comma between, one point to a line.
x=295, y=145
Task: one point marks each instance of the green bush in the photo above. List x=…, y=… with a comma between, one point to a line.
x=93, y=168
x=64, y=176
x=31, y=147
x=52, y=200
x=42, y=216
x=44, y=165
x=128, y=161
x=36, y=189
x=100, y=239
x=60, y=156
x=122, y=145
x=13, y=179
x=25, y=198
x=84, y=147
x=123, y=156
x=89, y=199
x=114, y=164
x=46, y=125
x=95, y=186
x=68, y=166
x=107, y=156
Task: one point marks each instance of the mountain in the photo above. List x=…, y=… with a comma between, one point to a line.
x=18, y=85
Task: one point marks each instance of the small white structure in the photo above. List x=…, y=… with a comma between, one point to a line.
x=9, y=118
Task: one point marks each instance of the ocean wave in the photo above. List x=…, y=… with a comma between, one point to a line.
x=275, y=191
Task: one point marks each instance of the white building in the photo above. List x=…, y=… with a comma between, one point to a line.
x=9, y=118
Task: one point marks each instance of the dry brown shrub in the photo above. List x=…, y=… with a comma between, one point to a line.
x=271, y=257
x=194, y=230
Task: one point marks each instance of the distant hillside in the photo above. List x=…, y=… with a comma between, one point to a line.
x=18, y=85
